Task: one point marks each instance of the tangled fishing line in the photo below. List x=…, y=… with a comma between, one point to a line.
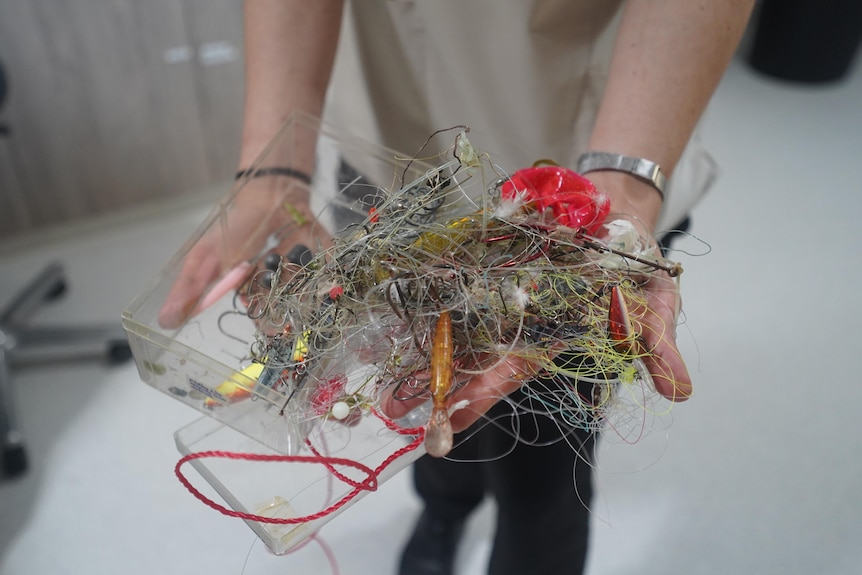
x=463, y=272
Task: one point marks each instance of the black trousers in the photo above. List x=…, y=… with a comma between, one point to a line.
x=542, y=485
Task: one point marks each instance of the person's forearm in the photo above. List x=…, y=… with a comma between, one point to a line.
x=289, y=51
x=668, y=59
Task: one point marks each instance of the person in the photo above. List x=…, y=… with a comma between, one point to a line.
x=540, y=79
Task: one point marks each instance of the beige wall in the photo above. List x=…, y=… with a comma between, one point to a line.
x=113, y=103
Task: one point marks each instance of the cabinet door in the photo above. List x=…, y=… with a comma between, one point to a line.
x=108, y=105
x=215, y=31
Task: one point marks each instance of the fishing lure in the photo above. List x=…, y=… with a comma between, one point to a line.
x=438, y=434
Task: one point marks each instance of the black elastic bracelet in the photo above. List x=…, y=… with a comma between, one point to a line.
x=274, y=171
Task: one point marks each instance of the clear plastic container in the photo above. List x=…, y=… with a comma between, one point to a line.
x=292, y=490
x=205, y=361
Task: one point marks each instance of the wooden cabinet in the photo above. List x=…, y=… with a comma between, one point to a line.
x=115, y=102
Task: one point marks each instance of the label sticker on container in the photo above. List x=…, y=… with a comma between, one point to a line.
x=210, y=393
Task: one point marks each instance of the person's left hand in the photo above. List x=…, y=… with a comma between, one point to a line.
x=653, y=317
x=655, y=322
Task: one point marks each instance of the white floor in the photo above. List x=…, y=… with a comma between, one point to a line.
x=758, y=473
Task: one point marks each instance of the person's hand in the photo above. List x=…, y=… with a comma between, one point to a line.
x=655, y=323
x=225, y=256
x=653, y=319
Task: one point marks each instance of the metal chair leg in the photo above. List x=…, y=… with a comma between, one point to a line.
x=14, y=456
x=21, y=344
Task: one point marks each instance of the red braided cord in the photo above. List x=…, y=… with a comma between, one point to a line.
x=337, y=473
x=370, y=484
x=420, y=431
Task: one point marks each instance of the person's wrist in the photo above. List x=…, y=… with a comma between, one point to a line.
x=629, y=197
x=266, y=194
x=272, y=172
x=641, y=168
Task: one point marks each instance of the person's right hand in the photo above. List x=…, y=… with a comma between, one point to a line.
x=263, y=206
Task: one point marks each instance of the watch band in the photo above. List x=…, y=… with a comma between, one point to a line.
x=641, y=168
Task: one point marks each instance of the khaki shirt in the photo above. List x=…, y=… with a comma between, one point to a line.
x=526, y=76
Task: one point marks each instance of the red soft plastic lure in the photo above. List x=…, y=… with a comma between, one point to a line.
x=573, y=199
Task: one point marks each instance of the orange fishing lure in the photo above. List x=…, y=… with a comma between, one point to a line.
x=438, y=435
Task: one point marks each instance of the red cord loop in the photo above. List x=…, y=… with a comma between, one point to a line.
x=369, y=484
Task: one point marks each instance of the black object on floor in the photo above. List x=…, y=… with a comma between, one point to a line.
x=432, y=547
